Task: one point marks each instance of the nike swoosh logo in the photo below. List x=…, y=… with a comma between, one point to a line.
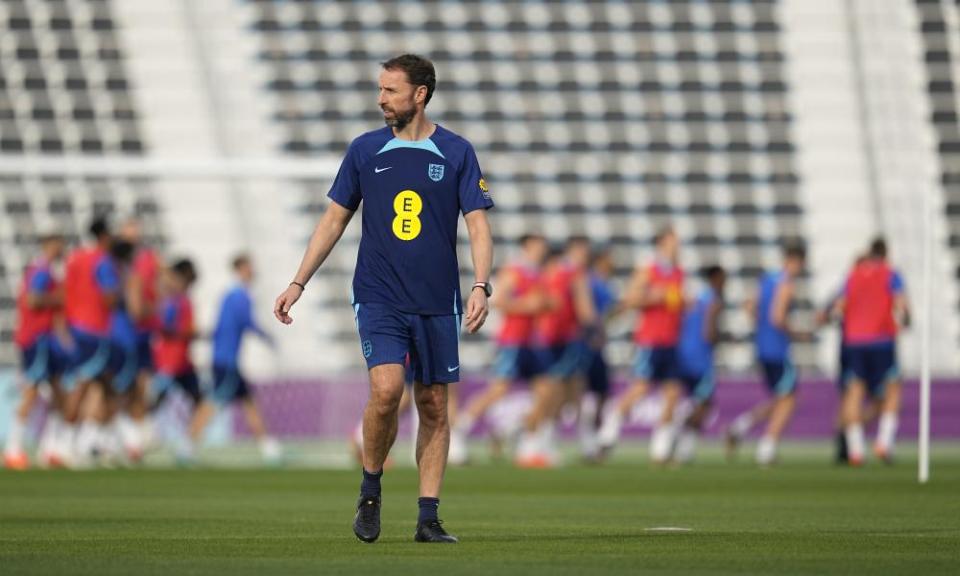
x=449, y=369
x=379, y=170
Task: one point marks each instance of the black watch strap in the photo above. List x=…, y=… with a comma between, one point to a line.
x=486, y=286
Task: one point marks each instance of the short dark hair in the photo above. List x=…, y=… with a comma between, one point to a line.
x=663, y=233
x=578, y=239
x=419, y=70
x=122, y=251
x=241, y=259
x=795, y=249
x=599, y=253
x=878, y=248
x=713, y=272
x=185, y=269
x=99, y=227
x=531, y=237
x=555, y=252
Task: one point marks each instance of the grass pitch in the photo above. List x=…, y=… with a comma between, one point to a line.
x=804, y=517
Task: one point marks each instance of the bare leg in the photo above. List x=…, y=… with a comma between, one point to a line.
x=782, y=410
x=543, y=390
x=478, y=405
x=637, y=392
x=380, y=417
x=27, y=402
x=671, y=397
x=254, y=419
x=201, y=417
x=662, y=440
x=433, y=437
x=891, y=400
x=889, y=410
x=853, y=420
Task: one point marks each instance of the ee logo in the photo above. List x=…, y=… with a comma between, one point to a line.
x=407, y=206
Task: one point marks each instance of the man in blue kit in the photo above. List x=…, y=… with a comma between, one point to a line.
x=234, y=320
x=414, y=178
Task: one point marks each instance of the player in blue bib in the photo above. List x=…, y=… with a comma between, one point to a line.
x=775, y=332
x=414, y=178
x=698, y=339
x=234, y=320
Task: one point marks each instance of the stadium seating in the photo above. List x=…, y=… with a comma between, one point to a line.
x=608, y=119
x=940, y=33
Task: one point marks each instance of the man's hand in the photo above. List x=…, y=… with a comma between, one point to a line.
x=477, y=310
x=281, y=309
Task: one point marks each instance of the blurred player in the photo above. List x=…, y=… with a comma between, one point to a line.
x=656, y=290
x=92, y=292
x=234, y=320
x=560, y=342
x=597, y=372
x=124, y=363
x=414, y=178
x=698, y=338
x=519, y=299
x=774, y=334
x=171, y=353
x=146, y=277
x=43, y=358
x=873, y=302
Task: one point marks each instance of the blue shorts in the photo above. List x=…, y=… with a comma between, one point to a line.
x=387, y=336
x=145, y=352
x=516, y=363
x=229, y=384
x=43, y=360
x=123, y=366
x=656, y=364
x=186, y=381
x=598, y=373
x=562, y=360
x=873, y=364
x=780, y=376
x=700, y=387
x=90, y=358
x=844, y=366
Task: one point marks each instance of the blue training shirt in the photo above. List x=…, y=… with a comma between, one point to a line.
x=603, y=293
x=41, y=280
x=234, y=320
x=773, y=343
x=695, y=350
x=413, y=193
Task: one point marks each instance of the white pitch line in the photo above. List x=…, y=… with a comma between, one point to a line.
x=668, y=529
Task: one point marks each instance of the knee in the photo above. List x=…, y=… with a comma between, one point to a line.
x=433, y=409
x=384, y=403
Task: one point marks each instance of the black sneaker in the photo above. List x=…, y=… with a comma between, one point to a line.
x=433, y=531
x=366, y=524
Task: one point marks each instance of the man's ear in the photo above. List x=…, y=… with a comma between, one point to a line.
x=420, y=95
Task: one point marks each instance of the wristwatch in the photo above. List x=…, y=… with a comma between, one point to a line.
x=486, y=286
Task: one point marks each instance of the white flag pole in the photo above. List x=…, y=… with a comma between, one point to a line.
x=926, y=329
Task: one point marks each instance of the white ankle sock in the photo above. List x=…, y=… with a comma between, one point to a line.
x=887, y=431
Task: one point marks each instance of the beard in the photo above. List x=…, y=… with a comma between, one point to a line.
x=400, y=118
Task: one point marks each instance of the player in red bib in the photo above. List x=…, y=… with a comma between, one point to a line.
x=171, y=352
x=43, y=359
x=874, y=307
x=657, y=291
x=559, y=334
x=92, y=292
x=519, y=299
x=145, y=276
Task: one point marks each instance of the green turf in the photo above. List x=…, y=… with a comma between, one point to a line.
x=802, y=518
